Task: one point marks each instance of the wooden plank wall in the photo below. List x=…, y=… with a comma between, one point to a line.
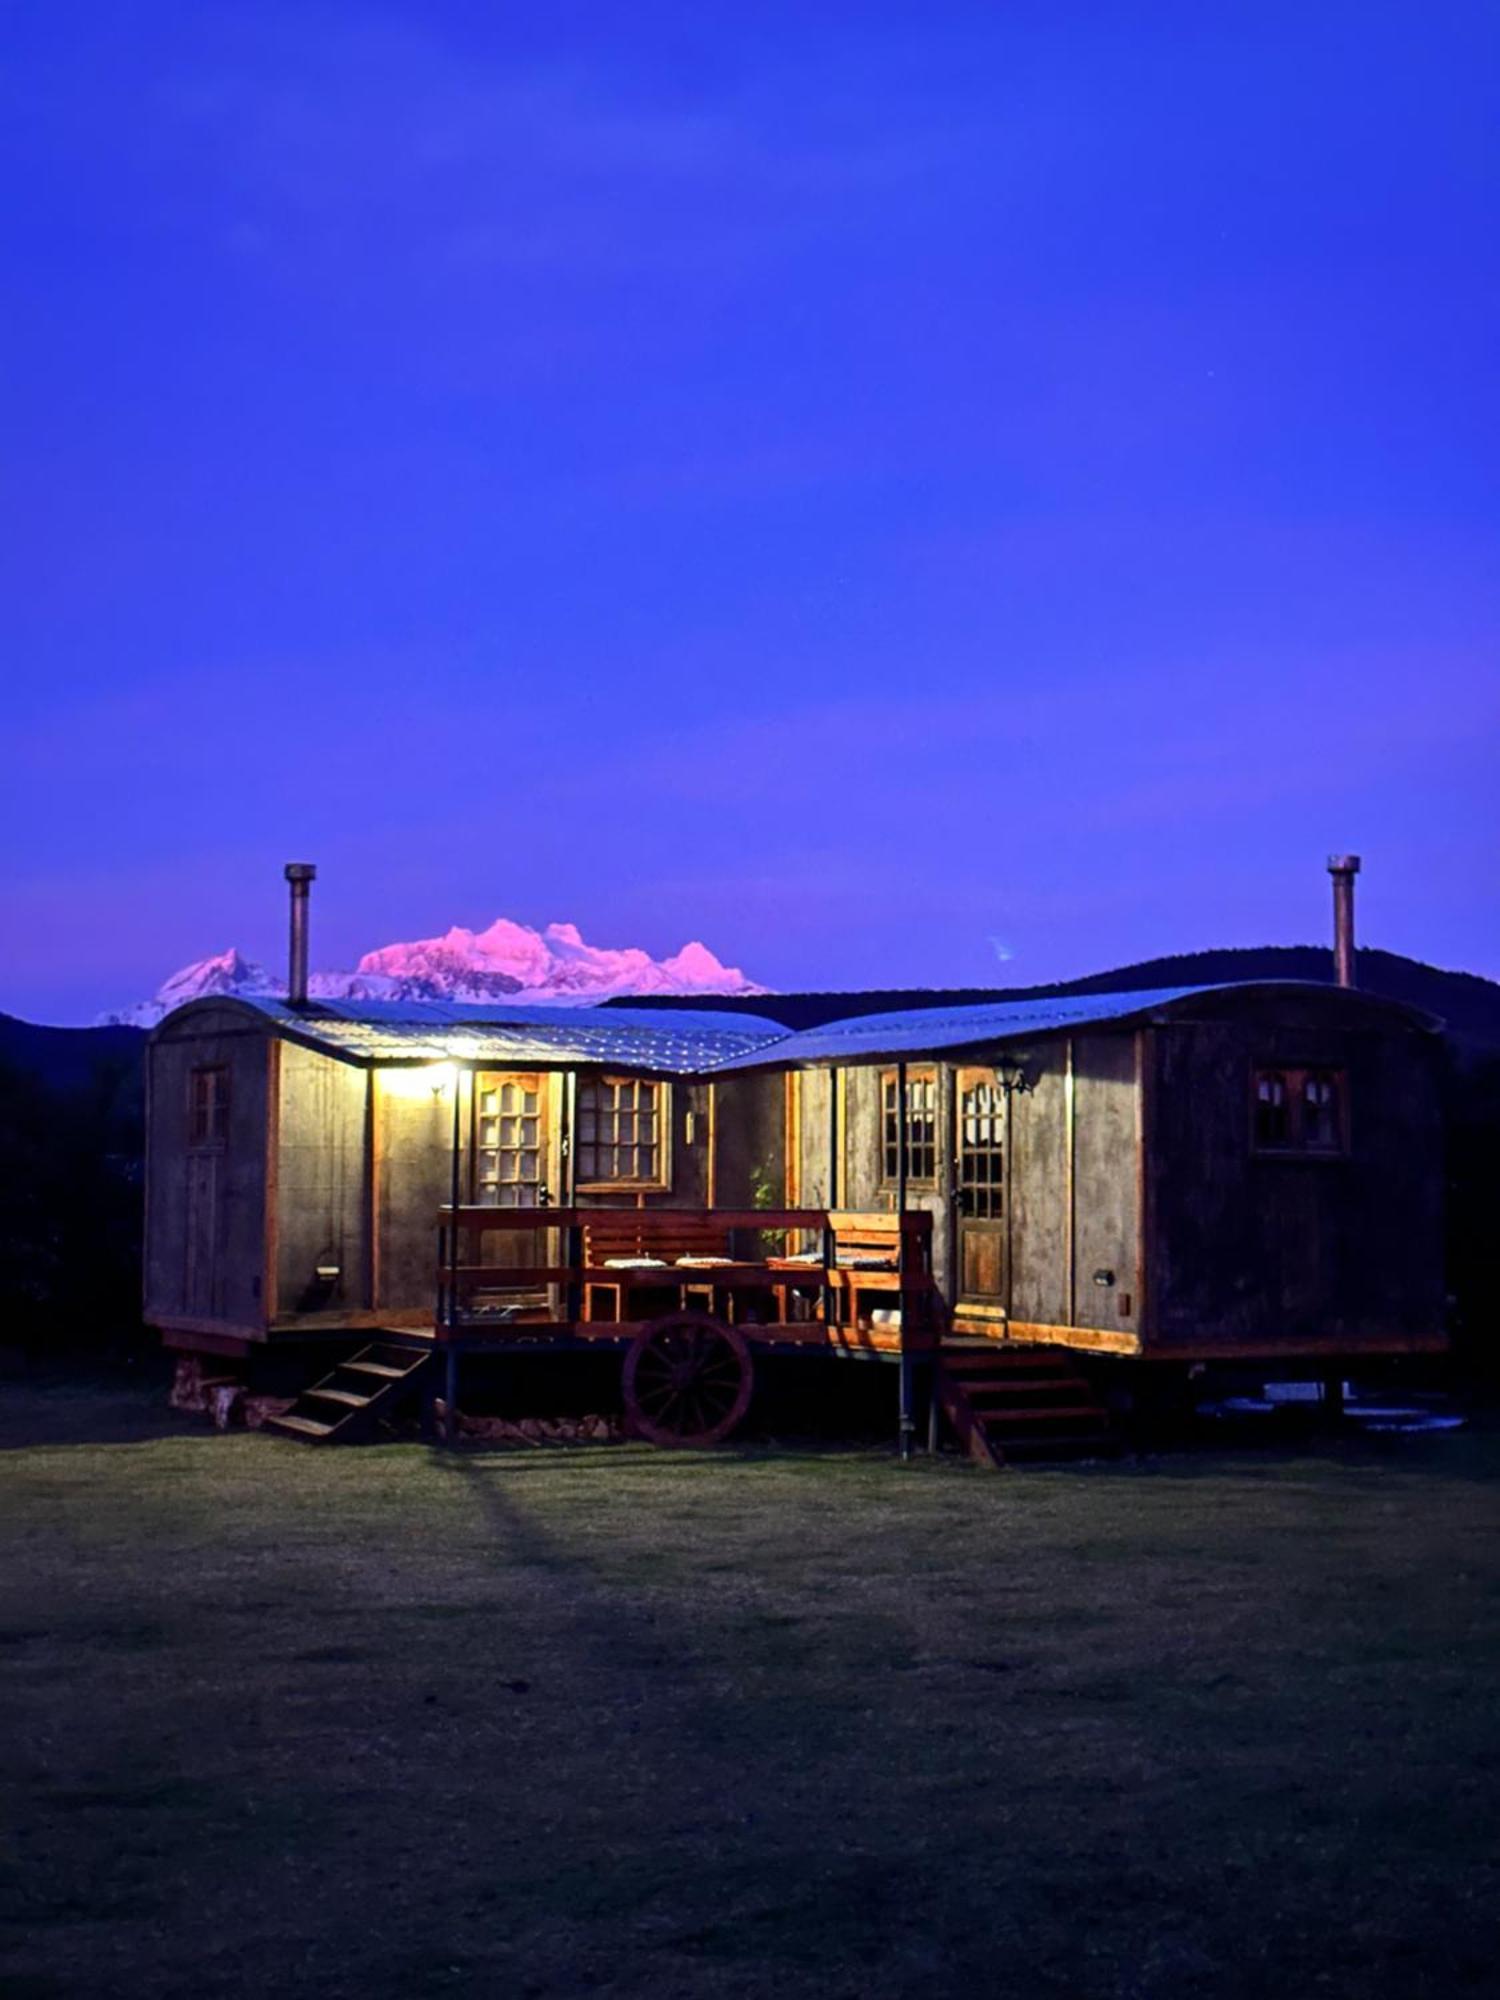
x=1249, y=1250
x=206, y=1208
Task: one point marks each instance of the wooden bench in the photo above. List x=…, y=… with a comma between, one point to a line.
x=654, y=1240
x=867, y=1258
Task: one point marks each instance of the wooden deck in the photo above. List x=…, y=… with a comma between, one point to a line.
x=810, y=1279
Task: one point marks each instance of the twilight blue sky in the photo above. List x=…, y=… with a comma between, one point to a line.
x=882, y=488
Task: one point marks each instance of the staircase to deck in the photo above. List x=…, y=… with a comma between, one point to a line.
x=346, y=1405
x=1009, y=1404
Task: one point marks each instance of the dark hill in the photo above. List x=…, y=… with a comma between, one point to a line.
x=67, y=1058
x=1468, y=1004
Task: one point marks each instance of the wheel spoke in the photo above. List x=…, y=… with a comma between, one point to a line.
x=687, y=1380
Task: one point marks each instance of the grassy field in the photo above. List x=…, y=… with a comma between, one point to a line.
x=391, y=1721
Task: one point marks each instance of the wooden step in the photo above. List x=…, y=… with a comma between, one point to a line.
x=1052, y=1414
x=1050, y=1385
x=303, y=1426
x=353, y=1413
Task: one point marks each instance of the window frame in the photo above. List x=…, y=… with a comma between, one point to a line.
x=661, y=1181
x=889, y=1143
x=210, y=1133
x=1296, y=1077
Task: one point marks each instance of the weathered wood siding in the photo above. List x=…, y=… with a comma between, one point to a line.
x=816, y=1168
x=206, y=1207
x=1036, y=1233
x=750, y=1143
x=1106, y=1185
x=1251, y=1249
x=320, y=1179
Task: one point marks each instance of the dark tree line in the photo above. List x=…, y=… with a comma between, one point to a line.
x=71, y=1185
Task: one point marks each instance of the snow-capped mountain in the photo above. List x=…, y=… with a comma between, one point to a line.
x=508, y=962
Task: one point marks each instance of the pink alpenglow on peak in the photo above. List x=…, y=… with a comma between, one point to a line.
x=555, y=964
x=509, y=962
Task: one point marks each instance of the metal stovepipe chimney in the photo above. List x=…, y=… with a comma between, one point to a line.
x=1343, y=868
x=301, y=875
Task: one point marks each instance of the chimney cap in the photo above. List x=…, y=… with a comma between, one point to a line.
x=300, y=871
x=1343, y=864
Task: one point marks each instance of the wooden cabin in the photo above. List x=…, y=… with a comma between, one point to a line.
x=297, y=1156
x=1223, y=1173
x=1248, y=1175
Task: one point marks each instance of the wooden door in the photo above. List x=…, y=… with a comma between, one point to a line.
x=511, y=1159
x=979, y=1191
x=511, y=1148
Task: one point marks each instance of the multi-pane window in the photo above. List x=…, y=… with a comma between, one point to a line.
x=981, y=1151
x=1299, y=1111
x=921, y=1127
x=508, y=1157
x=619, y=1132
x=208, y=1107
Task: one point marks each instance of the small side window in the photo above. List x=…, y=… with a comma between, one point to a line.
x=1272, y=1125
x=208, y=1107
x=1322, y=1120
x=1299, y=1111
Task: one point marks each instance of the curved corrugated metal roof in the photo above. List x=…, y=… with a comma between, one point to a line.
x=681, y=1042
x=669, y=1042
x=930, y=1031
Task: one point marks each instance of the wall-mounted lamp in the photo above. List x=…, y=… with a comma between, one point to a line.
x=427, y=1081
x=1012, y=1076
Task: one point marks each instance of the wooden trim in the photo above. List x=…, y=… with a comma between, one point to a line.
x=231, y=1329
x=1145, y=1059
x=838, y=1196
x=791, y=1176
x=271, y=1247
x=148, y=1178
x=1095, y=1339
x=711, y=1117
x=418, y=1318
x=232, y=1347
x=1301, y=1350
x=372, y=1189
x=1070, y=1185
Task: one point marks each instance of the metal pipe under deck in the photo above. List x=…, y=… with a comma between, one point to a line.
x=907, y=1422
x=455, y=1186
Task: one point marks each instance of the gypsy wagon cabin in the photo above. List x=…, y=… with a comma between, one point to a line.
x=1222, y=1174
x=1233, y=1172
x=298, y=1154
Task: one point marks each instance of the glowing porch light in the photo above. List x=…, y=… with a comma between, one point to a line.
x=420, y=1080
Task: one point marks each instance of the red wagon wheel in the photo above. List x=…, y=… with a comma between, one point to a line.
x=688, y=1379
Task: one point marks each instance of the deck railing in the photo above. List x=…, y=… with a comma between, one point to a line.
x=560, y=1271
